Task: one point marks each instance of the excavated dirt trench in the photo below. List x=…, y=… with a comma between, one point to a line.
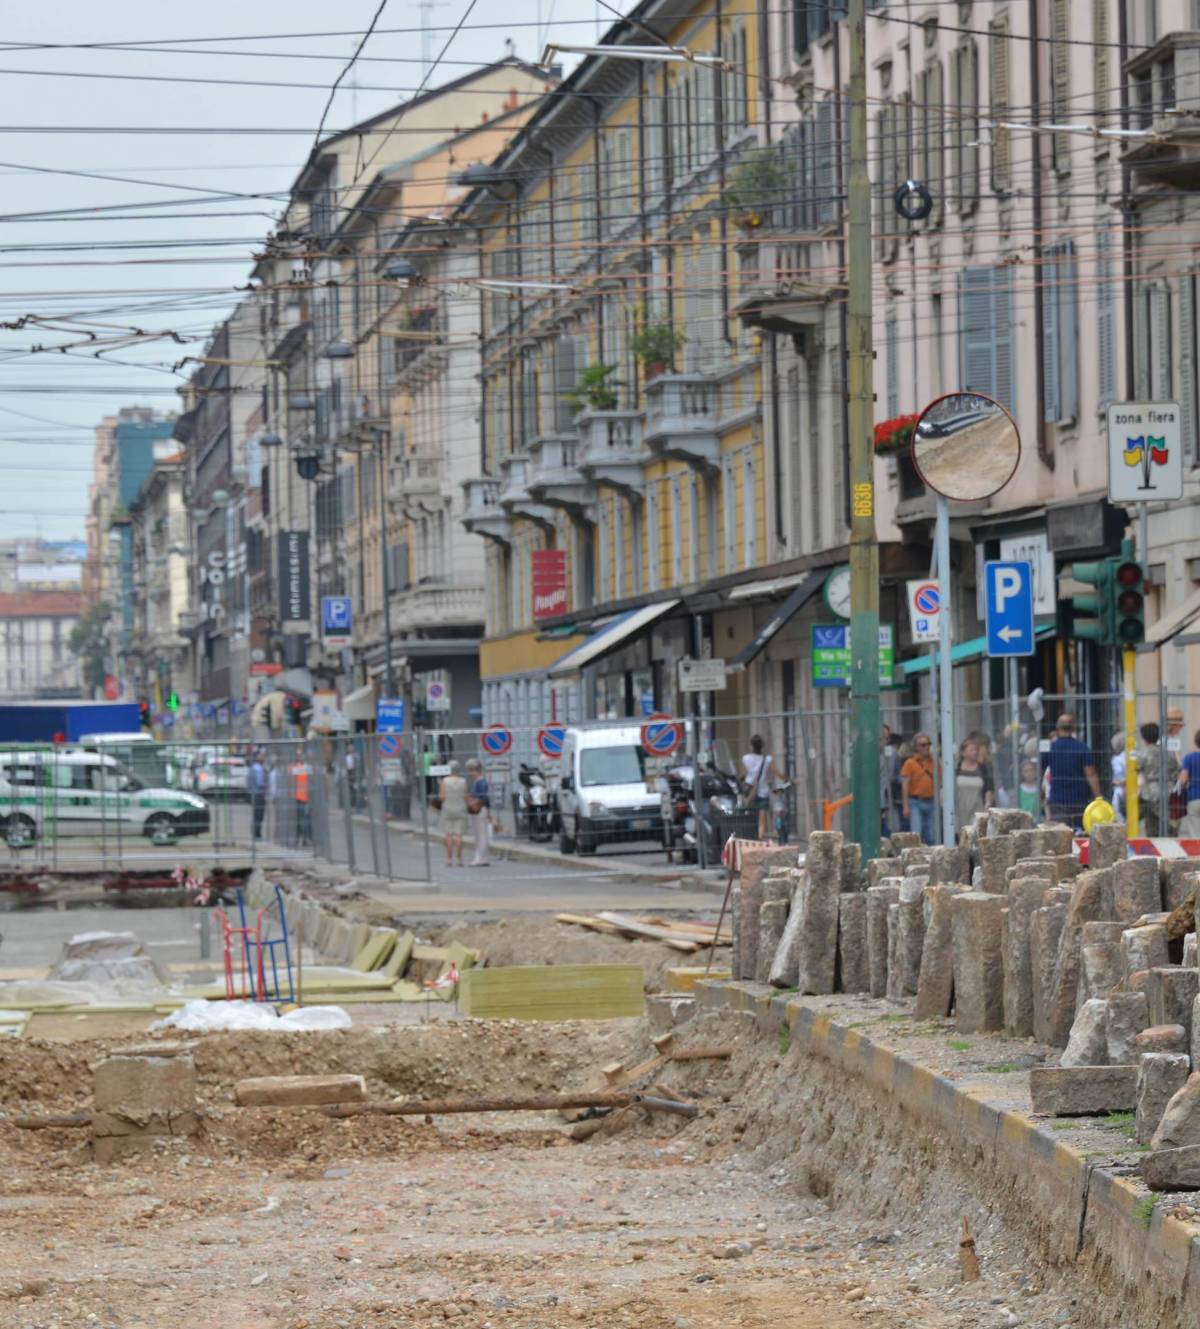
x=796, y=1199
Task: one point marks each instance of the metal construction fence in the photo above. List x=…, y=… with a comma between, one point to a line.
x=387, y=803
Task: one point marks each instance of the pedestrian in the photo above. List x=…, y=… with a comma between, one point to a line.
x=275, y=800
x=916, y=784
x=1070, y=768
x=428, y=760
x=1118, y=768
x=256, y=783
x=1029, y=794
x=759, y=773
x=974, y=790
x=900, y=751
x=889, y=771
x=298, y=774
x=452, y=793
x=479, y=808
x=1156, y=767
x=1175, y=739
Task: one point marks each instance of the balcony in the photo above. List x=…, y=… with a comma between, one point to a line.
x=775, y=290
x=483, y=514
x=1164, y=95
x=416, y=487
x=681, y=419
x=554, y=476
x=515, y=497
x=437, y=607
x=611, y=454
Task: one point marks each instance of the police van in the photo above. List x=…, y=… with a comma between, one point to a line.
x=63, y=791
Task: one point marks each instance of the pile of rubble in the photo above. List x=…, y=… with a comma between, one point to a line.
x=1008, y=930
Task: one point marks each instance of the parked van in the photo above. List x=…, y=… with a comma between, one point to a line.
x=62, y=791
x=602, y=794
x=140, y=753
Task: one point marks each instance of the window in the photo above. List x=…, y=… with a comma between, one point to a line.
x=892, y=344
x=618, y=514
x=1102, y=52
x=569, y=355
x=998, y=58
x=749, y=512
x=1189, y=380
x=653, y=535
x=929, y=116
x=1060, y=82
x=812, y=19
x=702, y=306
x=1106, y=322
x=964, y=147
x=729, y=513
x=825, y=147
x=736, y=85
x=985, y=336
x=677, y=532
x=1060, y=333
x=602, y=555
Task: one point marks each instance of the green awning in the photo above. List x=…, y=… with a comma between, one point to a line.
x=966, y=652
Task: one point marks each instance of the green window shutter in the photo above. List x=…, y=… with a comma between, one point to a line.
x=1106, y=351
x=1187, y=364
x=1051, y=333
x=1004, y=381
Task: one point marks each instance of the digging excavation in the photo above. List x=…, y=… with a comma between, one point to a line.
x=948, y=1087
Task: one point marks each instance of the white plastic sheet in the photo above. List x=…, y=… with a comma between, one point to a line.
x=237, y=1016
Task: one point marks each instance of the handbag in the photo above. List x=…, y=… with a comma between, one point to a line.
x=1177, y=804
x=750, y=792
x=436, y=802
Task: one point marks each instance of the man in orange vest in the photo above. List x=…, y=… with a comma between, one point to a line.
x=299, y=771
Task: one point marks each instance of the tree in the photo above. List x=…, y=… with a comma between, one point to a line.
x=89, y=641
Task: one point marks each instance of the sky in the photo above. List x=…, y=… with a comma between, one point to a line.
x=154, y=250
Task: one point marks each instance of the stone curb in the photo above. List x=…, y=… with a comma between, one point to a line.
x=1084, y=1210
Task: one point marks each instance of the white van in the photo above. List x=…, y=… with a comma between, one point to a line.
x=58, y=792
x=602, y=793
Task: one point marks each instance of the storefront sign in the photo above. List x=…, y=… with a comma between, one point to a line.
x=1033, y=548
x=701, y=675
x=549, y=583
x=293, y=576
x=831, y=656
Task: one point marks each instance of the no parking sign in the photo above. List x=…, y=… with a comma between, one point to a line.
x=550, y=740
x=495, y=740
x=661, y=735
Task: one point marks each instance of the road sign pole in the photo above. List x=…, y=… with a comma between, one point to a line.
x=865, y=730
x=945, y=677
x=1129, y=669
x=1014, y=728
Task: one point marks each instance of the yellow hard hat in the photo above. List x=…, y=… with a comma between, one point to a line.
x=1097, y=813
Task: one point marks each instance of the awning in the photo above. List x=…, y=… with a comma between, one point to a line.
x=360, y=704
x=966, y=652
x=1170, y=625
x=610, y=637
x=748, y=590
x=779, y=619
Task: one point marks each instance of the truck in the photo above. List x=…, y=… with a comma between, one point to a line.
x=66, y=721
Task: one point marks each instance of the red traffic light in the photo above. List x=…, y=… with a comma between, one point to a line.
x=1128, y=574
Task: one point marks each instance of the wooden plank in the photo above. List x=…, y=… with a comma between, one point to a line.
x=636, y=928
x=685, y=978
x=587, y=921
x=553, y=992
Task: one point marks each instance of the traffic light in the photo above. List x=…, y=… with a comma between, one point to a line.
x=144, y=714
x=295, y=711
x=173, y=701
x=1129, y=609
x=1092, y=613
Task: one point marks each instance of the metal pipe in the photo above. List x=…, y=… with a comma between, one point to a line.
x=945, y=676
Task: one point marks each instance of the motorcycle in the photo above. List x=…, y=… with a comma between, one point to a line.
x=697, y=827
x=533, y=805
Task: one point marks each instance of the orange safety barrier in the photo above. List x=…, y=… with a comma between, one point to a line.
x=830, y=809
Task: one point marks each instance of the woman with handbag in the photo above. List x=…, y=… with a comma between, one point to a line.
x=758, y=775
x=479, y=808
x=452, y=794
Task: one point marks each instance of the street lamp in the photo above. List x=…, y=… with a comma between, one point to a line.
x=270, y=439
x=400, y=269
x=339, y=350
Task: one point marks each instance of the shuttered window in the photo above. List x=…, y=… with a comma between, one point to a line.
x=736, y=83
x=1060, y=81
x=985, y=336
x=704, y=348
x=729, y=514
x=653, y=173
x=602, y=552
x=1102, y=63
x=964, y=166
x=892, y=352
x=653, y=536
x=749, y=512
x=999, y=56
x=569, y=356
x=1189, y=380
x=825, y=174
x=677, y=534
x=1106, y=327
x=1162, y=366
x=1060, y=333
x=929, y=134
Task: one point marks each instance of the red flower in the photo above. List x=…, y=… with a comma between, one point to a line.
x=895, y=435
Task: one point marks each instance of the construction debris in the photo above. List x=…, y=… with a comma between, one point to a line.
x=299, y=1090
x=686, y=937
x=435, y=1107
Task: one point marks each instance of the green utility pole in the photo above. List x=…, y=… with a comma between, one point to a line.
x=864, y=549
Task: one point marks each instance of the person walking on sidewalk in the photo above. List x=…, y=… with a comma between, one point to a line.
x=1074, y=781
x=256, y=780
x=479, y=808
x=453, y=795
x=916, y=787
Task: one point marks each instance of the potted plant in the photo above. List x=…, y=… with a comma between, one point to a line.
x=596, y=390
x=655, y=346
x=755, y=186
x=894, y=437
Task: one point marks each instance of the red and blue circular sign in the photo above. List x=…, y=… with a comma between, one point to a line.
x=495, y=740
x=927, y=599
x=551, y=739
x=661, y=735
x=389, y=745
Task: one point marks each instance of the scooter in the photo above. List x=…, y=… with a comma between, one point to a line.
x=694, y=824
x=534, y=813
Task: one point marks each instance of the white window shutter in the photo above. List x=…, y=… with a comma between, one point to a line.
x=1051, y=332
x=1163, y=370
x=1105, y=321
x=1187, y=364
x=1068, y=305
x=1004, y=381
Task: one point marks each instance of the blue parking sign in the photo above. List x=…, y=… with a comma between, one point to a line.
x=1009, y=599
x=337, y=616
x=389, y=715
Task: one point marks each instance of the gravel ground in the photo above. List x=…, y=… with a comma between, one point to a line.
x=783, y=1204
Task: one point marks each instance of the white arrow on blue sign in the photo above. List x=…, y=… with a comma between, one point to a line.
x=1009, y=599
